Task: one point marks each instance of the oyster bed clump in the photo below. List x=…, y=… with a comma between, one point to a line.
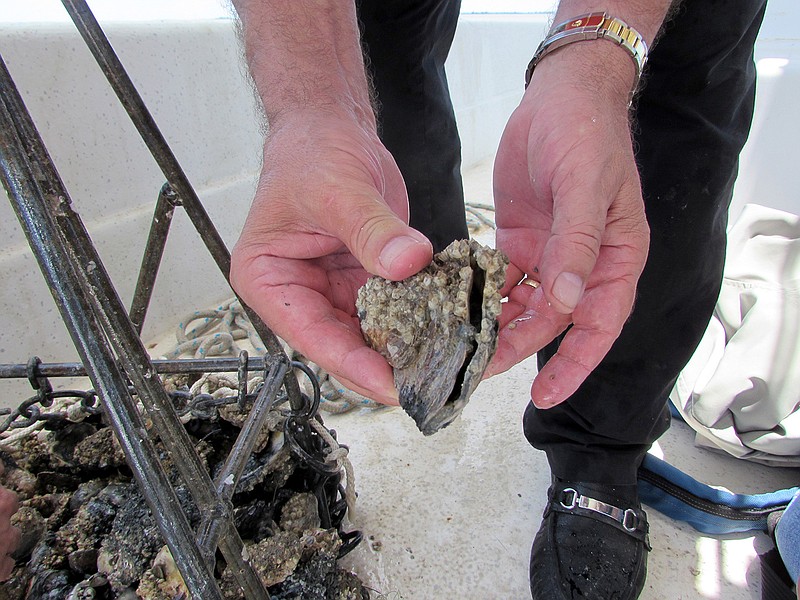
x=438, y=329
x=88, y=532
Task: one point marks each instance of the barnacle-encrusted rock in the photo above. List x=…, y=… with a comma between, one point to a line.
x=131, y=543
x=438, y=329
x=89, y=533
x=32, y=526
x=99, y=451
x=163, y=580
x=300, y=513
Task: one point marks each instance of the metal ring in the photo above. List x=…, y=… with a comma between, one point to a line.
x=295, y=425
x=573, y=502
x=531, y=282
x=32, y=369
x=312, y=404
x=630, y=515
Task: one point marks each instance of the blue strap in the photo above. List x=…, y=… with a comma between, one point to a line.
x=709, y=510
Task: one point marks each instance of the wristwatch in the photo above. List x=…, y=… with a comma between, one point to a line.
x=592, y=26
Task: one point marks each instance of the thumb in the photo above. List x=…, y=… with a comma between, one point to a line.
x=381, y=241
x=571, y=252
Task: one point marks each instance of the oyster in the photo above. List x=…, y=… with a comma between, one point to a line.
x=438, y=329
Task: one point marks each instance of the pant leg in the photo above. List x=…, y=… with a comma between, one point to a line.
x=406, y=43
x=692, y=119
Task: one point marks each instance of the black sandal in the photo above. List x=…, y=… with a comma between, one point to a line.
x=592, y=543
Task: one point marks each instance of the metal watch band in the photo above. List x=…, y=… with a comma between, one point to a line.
x=592, y=26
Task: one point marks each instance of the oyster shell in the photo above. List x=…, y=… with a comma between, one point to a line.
x=438, y=329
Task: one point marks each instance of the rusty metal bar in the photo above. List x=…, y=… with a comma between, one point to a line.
x=32, y=201
x=153, y=252
x=161, y=366
x=211, y=526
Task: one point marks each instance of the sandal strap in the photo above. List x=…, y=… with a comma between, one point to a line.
x=632, y=521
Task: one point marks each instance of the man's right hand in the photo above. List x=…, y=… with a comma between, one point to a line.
x=330, y=209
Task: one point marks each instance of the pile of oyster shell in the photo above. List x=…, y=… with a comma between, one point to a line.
x=438, y=329
x=88, y=533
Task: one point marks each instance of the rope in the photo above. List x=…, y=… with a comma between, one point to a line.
x=9, y=440
x=215, y=332
x=337, y=455
x=475, y=218
x=219, y=385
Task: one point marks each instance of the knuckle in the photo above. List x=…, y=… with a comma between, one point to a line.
x=367, y=228
x=584, y=241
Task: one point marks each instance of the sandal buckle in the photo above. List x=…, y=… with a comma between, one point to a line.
x=573, y=502
x=630, y=515
x=628, y=518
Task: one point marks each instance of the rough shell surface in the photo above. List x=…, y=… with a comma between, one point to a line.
x=438, y=329
x=88, y=533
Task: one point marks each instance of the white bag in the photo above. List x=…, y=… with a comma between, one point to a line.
x=741, y=390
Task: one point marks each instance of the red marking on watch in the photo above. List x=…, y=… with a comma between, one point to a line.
x=590, y=21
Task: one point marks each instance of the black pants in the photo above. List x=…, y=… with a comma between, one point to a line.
x=406, y=43
x=692, y=119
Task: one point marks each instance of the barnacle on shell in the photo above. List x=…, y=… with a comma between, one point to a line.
x=438, y=329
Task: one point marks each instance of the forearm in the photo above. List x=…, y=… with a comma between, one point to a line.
x=306, y=54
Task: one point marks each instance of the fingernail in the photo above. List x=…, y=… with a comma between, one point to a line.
x=393, y=251
x=387, y=395
x=394, y=396
x=568, y=289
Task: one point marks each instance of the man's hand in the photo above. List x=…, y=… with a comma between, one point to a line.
x=331, y=205
x=9, y=536
x=570, y=215
x=330, y=209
